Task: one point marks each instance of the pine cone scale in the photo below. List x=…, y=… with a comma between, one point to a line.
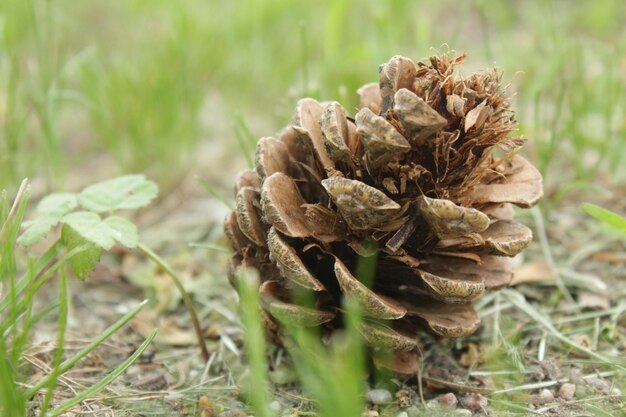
x=373, y=305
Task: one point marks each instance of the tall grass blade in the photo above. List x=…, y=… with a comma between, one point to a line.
x=614, y=220
x=258, y=388
x=62, y=326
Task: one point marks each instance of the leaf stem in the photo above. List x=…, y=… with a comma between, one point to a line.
x=185, y=295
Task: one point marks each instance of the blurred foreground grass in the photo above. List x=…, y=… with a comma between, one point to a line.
x=139, y=85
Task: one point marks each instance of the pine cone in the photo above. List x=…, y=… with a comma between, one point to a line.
x=424, y=177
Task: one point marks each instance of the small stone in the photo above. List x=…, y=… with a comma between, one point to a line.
x=615, y=392
x=379, y=396
x=475, y=402
x=550, y=369
x=275, y=407
x=462, y=412
x=449, y=400
x=600, y=384
x=567, y=391
x=370, y=413
x=545, y=396
x=402, y=414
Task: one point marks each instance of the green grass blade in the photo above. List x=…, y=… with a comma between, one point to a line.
x=44, y=278
x=597, y=411
x=10, y=397
x=216, y=194
x=104, y=381
x=58, y=354
x=154, y=257
x=41, y=263
x=44, y=312
x=245, y=139
x=68, y=364
x=258, y=388
x=210, y=246
x=614, y=220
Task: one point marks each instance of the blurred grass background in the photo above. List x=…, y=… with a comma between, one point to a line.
x=93, y=89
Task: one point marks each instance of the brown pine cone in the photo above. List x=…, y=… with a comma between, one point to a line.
x=424, y=177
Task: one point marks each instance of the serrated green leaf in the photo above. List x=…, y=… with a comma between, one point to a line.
x=104, y=233
x=57, y=203
x=36, y=229
x=123, y=193
x=85, y=262
x=126, y=231
x=89, y=226
x=50, y=210
x=614, y=220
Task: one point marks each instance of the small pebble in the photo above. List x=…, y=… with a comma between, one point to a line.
x=275, y=407
x=567, y=391
x=379, y=396
x=545, y=396
x=462, y=412
x=474, y=402
x=370, y=413
x=449, y=400
x=550, y=369
x=402, y=414
x=599, y=384
x=616, y=392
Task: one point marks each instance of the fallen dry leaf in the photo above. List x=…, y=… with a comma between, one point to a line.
x=609, y=257
x=594, y=300
x=536, y=271
x=169, y=332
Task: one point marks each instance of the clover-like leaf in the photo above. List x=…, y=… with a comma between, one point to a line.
x=125, y=231
x=122, y=193
x=49, y=213
x=84, y=262
x=104, y=233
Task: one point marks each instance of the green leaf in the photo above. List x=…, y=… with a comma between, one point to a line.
x=104, y=233
x=614, y=220
x=50, y=211
x=126, y=231
x=123, y=193
x=57, y=203
x=84, y=262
